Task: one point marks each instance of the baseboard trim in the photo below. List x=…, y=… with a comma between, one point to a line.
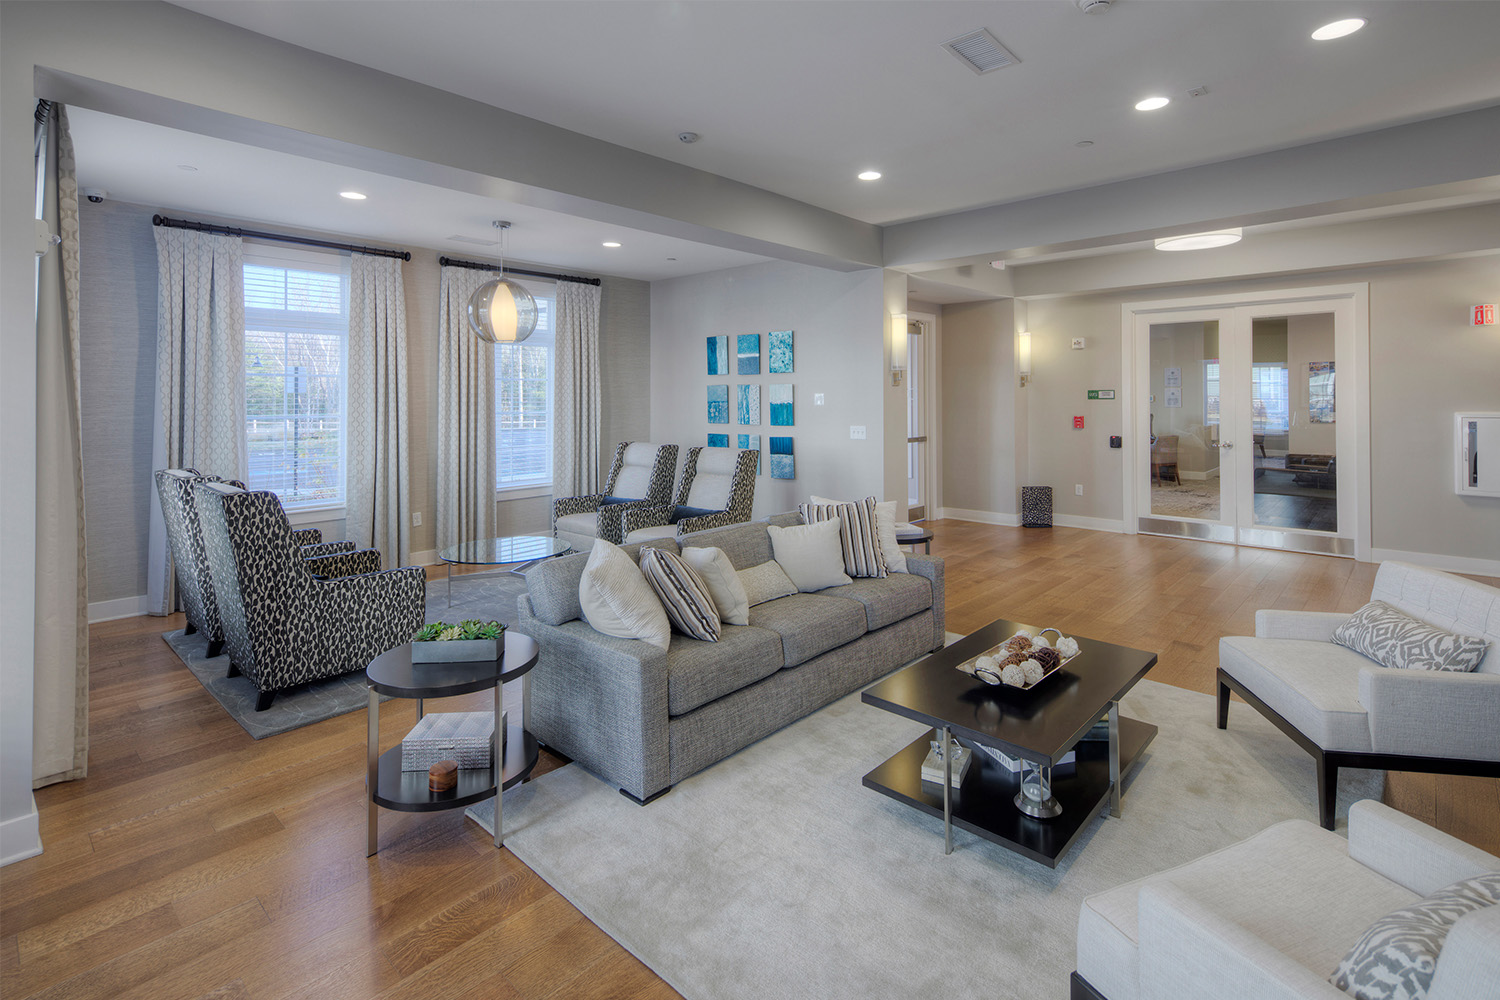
x=980, y=516
x=427, y=557
x=1453, y=564
x=1090, y=523
x=120, y=607
x=20, y=837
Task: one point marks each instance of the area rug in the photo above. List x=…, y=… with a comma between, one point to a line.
x=776, y=874
x=491, y=598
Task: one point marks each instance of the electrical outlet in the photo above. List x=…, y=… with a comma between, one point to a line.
x=416, y=519
x=817, y=399
x=1078, y=489
x=856, y=433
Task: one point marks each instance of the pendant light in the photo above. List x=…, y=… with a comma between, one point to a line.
x=502, y=311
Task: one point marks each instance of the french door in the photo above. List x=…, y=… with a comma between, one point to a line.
x=1247, y=420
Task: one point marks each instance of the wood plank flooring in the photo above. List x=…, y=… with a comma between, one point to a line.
x=195, y=862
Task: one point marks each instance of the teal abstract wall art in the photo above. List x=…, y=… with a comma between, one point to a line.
x=749, y=405
x=718, y=355
x=779, y=352
x=718, y=404
x=783, y=462
x=782, y=414
x=749, y=353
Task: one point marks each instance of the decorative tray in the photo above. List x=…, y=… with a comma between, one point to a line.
x=1022, y=661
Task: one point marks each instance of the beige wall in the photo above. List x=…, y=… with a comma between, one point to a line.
x=1308, y=339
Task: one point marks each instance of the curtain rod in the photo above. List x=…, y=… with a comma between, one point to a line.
x=206, y=227
x=481, y=266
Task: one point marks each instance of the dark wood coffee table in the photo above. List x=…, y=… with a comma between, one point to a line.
x=1040, y=725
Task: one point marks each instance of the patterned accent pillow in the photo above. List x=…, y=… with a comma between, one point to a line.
x=1397, y=955
x=1395, y=639
x=861, y=542
x=885, y=530
x=763, y=583
x=683, y=594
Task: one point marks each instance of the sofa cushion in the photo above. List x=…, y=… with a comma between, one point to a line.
x=811, y=554
x=898, y=596
x=745, y=544
x=724, y=586
x=701, y=672
x=1313, y=685
x=579, y=530
x=763, y=583
x=1394, y=638
x=885, y=531
x=810, y=624
x=683, y=594
x=553, y=585
x=863, y=558
x=617, y=600
x=651, y=534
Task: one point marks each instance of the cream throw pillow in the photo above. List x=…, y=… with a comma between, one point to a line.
x=885, y=531
x=616, y=599
x=765, y=582
x=811, y=554
x=717, y=572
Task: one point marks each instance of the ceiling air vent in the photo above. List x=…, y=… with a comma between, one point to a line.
x=476, y=242
x=979, y=51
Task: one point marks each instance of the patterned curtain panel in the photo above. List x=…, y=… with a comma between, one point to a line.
x=466, y=415
x=576, y=413
x=378, y=458
x=60, y=739
x=200, y=375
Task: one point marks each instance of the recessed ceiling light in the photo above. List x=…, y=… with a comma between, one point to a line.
x=610, y=243
x=1338, y=29
x=1200, y=241
x=186, y=166
x=352, y=195
x=869, y=175
x=1152, y=103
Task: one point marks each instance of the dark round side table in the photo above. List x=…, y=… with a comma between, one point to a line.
x=392, y=673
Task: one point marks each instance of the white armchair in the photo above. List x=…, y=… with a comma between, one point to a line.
x=1349, y=711
x=1271, y=917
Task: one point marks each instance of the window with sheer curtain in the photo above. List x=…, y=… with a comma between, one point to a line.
x=296, y=350
x=523, y=402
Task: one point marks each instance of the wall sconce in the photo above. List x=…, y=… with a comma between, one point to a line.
x=1023, y=356
x=899, y=342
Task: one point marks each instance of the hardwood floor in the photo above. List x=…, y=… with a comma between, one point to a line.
x=195, y=862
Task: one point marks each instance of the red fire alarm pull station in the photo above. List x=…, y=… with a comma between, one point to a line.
x=1078, y=423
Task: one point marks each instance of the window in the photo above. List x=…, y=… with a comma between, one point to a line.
x=1269, y=398
x=523, y=401
x=296, y=349
x=1210, y=392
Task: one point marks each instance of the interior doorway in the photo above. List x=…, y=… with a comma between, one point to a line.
x=919, y=395
x=1248, y=420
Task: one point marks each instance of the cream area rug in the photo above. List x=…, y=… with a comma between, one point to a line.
x=776, y=874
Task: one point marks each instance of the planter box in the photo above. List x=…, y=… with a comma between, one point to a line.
x=457, y=650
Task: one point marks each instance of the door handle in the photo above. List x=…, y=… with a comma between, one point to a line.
x=1227, y=444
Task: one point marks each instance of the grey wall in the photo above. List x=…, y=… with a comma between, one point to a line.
x=977, y=400
x=118, y=373
x=839, y=321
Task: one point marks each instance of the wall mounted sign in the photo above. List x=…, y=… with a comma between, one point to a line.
x=1483, y=315
x=1101, y=394
x=1174, y=397
x=1173, y=376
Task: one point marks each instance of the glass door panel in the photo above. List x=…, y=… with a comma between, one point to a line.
x=1185, y=396
x=1293, y=420
x=916, y=424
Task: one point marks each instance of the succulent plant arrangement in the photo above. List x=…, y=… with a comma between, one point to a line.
x=471, y=628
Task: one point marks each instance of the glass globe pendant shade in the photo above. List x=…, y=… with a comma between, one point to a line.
x=502, y=312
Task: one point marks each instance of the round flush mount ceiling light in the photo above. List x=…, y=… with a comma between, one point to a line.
x=188, y=167
x=1338, y=29
x=1200, y=241
x=352, y=195
x=869, y=175
x=1152, y=103
x=611, y=244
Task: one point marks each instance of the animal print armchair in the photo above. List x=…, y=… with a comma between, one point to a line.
x=284, y=623
x=174, y=488
x=641, y=476
x=718, y=489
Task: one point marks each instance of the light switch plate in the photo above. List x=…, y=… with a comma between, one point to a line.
x=1078, y=343
x=856, y=432
x=817, y=399
x=416, y=519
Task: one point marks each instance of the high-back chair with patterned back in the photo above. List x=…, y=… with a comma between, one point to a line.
x=718, y=489
x=641, y=475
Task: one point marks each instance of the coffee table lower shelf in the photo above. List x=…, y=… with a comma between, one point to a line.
x=984, y=807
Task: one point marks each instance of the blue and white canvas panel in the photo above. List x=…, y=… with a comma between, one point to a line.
x=749, y=353
x=718, y=404
x=751, y=442
x=718, y=355
x=718, y=440
x=779, y=352
x=749, y=405
x=781, y=405
x=783, y=462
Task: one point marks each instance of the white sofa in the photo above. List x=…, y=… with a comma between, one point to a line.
x=1271, y=917
x=1349, y=711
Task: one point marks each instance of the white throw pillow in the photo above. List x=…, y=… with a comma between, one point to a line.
x=811, y=554
x=885, y=530
x=765, y=582
x=616, y=599
x=717, y=572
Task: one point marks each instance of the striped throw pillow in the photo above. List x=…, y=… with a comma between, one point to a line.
x=857, y=534
x=683, y=594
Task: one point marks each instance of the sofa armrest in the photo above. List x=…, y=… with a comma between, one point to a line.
x=644, y=515
x=306, y=536
x=1469, y=964
x=1318, y=625
x=1409, y=852
x=345, y=563
x=612, y=519
x=601, y=701
x=320, y=549
x=1188, y=950
x=707, y=522
x=1432, y=713
x=931, y=567
x=563, y=506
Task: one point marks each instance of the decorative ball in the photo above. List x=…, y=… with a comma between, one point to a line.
x=1016, y=643
x=986, y=663
x=1067, y=647
x=1013, y=675
x=1041, y=642
x=1033, y=671
x=1017, y=658
x=1049, y=658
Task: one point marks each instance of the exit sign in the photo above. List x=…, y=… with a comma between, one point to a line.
x=1101, y=394
x=1483, y=315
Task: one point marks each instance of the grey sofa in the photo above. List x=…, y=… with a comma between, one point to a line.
x=644, y=719
x=1349, y=711
x=1271, y=917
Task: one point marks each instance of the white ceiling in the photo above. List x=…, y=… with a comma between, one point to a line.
x=796, y=97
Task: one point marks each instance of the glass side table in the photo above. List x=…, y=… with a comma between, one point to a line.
x=525, y=550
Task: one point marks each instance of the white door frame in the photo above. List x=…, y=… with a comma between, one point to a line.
x=1354, y=400
x=929, y=409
